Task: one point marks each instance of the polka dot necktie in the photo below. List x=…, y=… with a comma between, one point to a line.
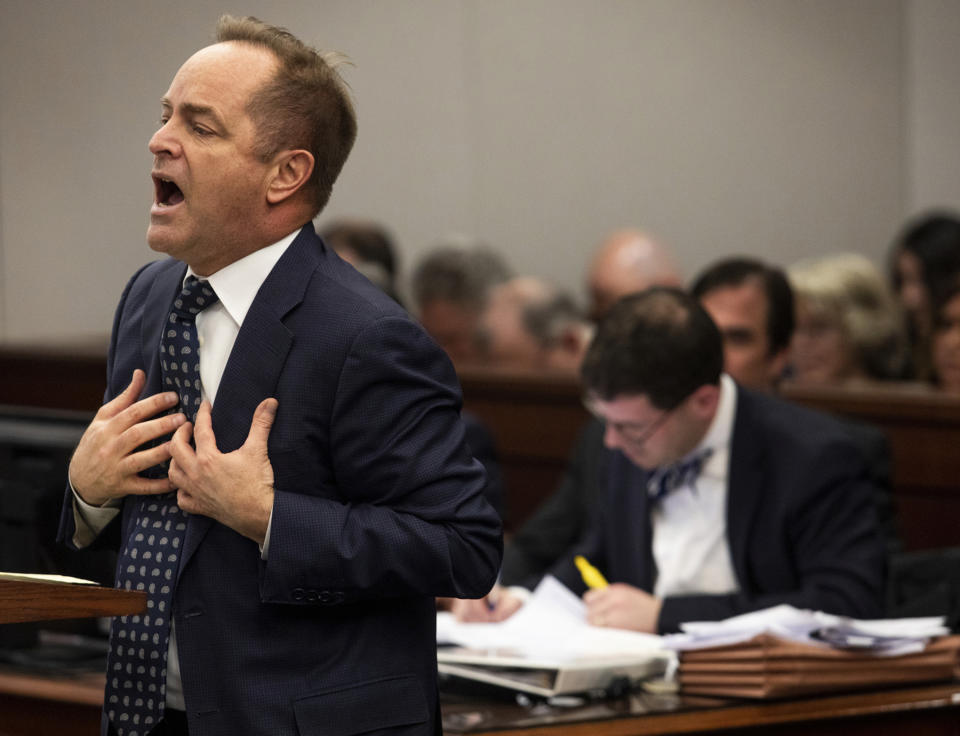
x=137, y=663
x=665, y=480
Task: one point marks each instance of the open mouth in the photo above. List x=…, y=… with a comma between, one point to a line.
x=168, y=194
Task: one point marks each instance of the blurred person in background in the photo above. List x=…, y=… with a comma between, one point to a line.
x=945, y=339
x=752, y=305
x=848, y=326
x=625, y=262
x=531, y=325
x=924, y=260
x=450, y=287
x=368, y=247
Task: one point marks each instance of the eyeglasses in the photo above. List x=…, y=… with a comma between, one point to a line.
x=630, y=431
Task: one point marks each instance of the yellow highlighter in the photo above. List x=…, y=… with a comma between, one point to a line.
x=591, y=575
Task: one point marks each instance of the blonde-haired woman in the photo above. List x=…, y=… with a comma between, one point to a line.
x=848, y=325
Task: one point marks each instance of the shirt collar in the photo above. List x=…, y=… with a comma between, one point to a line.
x=237, y=284
x=717, y=438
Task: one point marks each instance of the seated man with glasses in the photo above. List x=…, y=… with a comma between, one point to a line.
x=716, y=500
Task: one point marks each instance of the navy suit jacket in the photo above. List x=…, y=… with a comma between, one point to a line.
x=379, y=508
x=801, y=521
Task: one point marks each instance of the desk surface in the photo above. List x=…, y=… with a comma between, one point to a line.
x=932, y=709
x=72, y=706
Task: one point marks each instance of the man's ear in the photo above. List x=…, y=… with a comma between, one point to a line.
x=291, y=171
x=705, y=399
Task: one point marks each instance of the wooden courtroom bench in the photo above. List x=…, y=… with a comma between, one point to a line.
x=923, y=429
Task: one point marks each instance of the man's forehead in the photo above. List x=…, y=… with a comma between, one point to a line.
x=231, y=52
x=624, y=407
x=747, y=298
x=229, y=62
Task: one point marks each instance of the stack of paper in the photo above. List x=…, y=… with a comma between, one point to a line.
x=785, y=651
x=547, y=647
x=882, y=636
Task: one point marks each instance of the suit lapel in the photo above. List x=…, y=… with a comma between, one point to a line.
x=745, y=483
x=632, y=488
x=258, y=357
x=648, y=567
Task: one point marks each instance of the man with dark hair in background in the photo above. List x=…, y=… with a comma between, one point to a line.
x=752, y=305
x=718, y=500
x=317, y=492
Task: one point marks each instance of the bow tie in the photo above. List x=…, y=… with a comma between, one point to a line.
x=682, y=473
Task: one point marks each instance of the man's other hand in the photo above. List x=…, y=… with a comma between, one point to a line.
x=106, y=463
x=235, y=488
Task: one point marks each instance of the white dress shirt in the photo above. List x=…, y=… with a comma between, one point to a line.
x=236, y=286
x=690, y=524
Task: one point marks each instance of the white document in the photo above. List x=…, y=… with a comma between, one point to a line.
x=38, y=578
x=548, y=648
x=550, y=627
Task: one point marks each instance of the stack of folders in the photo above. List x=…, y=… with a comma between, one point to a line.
x=784, y=651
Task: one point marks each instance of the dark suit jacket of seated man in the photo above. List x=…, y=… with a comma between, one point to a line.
x=773, y=502
x=328, y=496
x=800, y=522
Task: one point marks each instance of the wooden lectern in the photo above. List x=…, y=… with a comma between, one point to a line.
x=35, y=705
x=25, y=599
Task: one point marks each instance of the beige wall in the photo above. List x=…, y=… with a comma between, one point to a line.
x=932, y=74
x=771, y=127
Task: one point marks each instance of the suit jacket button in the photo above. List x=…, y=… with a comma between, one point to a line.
x=299, y=594
x=325, y=596
x=312, y=595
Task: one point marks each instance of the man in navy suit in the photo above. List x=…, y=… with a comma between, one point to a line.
x=323, y=495
x=717, y=500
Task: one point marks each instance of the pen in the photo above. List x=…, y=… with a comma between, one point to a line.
x=591, y=575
